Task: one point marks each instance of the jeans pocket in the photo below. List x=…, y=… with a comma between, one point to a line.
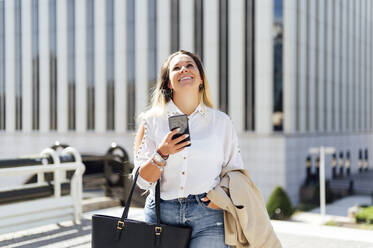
x=205, y=205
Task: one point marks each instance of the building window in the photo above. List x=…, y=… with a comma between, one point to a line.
x=223, y=55
x=18, y=63
x=131, y=89
x=90, y=65
x=35, y=65
x=175, y=20
x=278, y=114
x=53, y=65
x=71, y=77
x=110, y=56
x=2, y=66
x=249, y=65
x=152, y=44
x=198, y=28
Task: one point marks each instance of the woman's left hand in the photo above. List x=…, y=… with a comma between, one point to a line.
x=211, y=204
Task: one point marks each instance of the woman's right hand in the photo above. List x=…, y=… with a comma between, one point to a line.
x=169, y=146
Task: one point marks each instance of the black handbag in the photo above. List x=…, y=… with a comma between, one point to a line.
x=114, y=232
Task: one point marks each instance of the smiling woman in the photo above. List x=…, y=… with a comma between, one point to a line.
x=188, y=166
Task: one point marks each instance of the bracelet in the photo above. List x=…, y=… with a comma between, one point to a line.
x=155, y=164
x=165, y=157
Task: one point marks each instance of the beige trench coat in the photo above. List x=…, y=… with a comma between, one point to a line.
x=246, y=220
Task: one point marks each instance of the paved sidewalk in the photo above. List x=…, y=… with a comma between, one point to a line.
x=336, y=211
x=291, y=234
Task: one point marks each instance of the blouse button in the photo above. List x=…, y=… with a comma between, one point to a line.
x=181, y=188
x=183, y=172
x=184, y=158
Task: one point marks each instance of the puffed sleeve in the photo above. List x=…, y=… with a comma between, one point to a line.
x=143, y=154
x=232, y=153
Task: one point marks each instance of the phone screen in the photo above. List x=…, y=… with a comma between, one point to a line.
x=179, y=121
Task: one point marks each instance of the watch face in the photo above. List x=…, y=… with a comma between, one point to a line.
x=158, y=158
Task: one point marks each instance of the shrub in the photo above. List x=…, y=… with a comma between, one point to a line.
x=365, y=215
x=279, y=206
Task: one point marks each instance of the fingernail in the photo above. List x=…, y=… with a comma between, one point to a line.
x=186, y=135
x=178, y=129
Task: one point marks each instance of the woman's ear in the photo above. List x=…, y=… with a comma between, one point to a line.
x=169, y=85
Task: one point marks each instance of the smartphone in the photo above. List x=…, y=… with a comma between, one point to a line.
x=179, y=121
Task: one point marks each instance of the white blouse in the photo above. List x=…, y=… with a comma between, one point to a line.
x=196, y=169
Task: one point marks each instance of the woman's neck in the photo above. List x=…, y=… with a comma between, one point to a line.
x=186, y=104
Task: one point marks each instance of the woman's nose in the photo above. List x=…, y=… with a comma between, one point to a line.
x=184, y=69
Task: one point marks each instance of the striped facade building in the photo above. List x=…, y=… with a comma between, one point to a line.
x=292, y=74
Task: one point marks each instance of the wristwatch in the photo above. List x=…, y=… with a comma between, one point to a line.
x=158, y=158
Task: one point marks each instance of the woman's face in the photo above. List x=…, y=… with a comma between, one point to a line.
x=184, y=75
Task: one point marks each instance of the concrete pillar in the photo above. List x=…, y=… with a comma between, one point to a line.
x=264, y=66
x=81, y=66
x=312, y=50
x=329, y=65
x=10, y=115
x=211, y=45
x=186, y=25
x=302, y=84
x=26, y=65
x=351, y=60
x=141, y=48
x=357, y=65
x=120, y=66
x=321, y=66
x=290, y=58
x=163, y=32
x=62, y=60
x=362, y=68
x=100, y=65
x=337, y=68
x=44, y=65
x=345, y=67
x=236, y=63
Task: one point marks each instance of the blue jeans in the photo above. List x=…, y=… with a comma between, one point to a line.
x=207, y=223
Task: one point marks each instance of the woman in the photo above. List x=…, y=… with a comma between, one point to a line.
x=186, y=173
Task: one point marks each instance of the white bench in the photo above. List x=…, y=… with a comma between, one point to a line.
x=47, y=210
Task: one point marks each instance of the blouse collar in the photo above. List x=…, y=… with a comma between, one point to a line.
x=172, y=110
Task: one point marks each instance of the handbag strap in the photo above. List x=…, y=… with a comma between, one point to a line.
x=158, y=202
x=157, y=199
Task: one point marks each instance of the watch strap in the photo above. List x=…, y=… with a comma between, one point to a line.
x=165, y=157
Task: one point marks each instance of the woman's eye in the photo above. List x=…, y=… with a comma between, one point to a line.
x=190, y=65
x=176, y=68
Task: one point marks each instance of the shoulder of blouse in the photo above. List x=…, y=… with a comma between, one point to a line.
x=220, y=115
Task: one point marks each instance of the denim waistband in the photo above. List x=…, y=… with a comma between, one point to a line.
x=189, y=198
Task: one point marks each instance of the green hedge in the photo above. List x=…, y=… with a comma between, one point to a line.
x=365, y=215
x=279, y=206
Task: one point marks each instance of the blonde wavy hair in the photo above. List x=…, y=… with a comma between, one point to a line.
x=162, y=94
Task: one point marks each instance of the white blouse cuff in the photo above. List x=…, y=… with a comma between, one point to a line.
x=143, y=184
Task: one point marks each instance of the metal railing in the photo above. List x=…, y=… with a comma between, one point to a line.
x=46, y=210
